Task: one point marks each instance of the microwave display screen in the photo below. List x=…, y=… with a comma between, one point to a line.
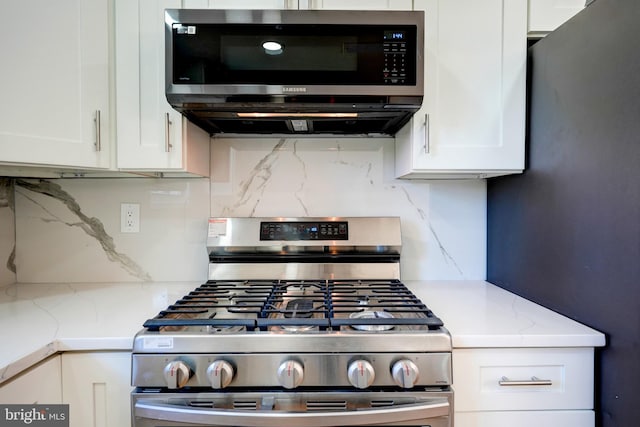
x=290, y=54
x=395, y=36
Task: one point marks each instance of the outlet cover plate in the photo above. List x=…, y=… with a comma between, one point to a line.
x=129, y=218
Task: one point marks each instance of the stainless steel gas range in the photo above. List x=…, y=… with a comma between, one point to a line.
x=303, y=322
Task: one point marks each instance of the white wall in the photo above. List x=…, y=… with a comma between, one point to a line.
x=69, y=230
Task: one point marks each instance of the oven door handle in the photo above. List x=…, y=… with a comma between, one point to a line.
x=153, y=410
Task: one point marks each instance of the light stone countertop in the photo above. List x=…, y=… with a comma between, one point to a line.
x=481, y=315
x=39, y=320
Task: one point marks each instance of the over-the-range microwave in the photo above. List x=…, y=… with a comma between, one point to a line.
x=303, y=72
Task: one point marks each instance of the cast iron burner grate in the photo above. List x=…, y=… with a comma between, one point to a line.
x=328, y=305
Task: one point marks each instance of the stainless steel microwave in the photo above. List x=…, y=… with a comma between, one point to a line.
x=295, y=71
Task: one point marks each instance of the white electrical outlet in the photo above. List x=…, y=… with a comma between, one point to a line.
x=129, y=218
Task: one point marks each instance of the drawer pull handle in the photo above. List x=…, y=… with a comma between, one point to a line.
x=506, y=382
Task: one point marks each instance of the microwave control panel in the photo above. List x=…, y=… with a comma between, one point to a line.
x=395, y=55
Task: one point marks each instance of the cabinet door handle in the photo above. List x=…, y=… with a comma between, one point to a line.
x=427, y=146
x=297, y=4
x=167, y=133
x=96, y=122
x=506, y=382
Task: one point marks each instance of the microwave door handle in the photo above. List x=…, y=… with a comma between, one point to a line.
x=225, y=417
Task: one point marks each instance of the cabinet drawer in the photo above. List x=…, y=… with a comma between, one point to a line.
x=525, y=419
x=523, y=379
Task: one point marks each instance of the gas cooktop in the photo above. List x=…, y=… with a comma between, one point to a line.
x=247, y=306
x=297, y=302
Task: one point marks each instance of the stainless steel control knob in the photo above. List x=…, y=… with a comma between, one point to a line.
x=361, y=373
x=290, y=374
x=220, y=374
x=405, y=373
x=176, y=374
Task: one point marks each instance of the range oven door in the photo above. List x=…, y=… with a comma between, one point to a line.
x=277, y=409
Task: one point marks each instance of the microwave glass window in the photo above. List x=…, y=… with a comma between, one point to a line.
x=301, y=53
x=289, y=54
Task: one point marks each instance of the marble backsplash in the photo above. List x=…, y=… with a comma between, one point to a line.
x=443, y=222
x=7, y=232
x=68, y=230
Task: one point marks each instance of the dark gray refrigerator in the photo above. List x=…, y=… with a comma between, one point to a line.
x=566, y=233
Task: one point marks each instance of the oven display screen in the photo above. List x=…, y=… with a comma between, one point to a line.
x=325, y=230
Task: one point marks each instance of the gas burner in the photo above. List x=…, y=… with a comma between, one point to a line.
x=298, y=308
x=230, y=329
x=294, y=328
x=371, y=314
x=245, y=306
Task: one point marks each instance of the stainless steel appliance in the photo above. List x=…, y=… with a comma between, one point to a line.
x=303, y=72
x=303, y=322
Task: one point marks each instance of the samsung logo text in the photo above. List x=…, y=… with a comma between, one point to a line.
x=294, y=89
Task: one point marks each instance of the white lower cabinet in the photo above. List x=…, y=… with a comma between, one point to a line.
x=38, y=385
x=525, y=419
x=524, y=387
x=96, y=385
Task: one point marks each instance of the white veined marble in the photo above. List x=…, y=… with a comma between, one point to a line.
x=7, y=232
x=68, y=230
x=443, y=222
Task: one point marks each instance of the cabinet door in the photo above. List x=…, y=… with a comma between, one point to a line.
x=54, y=82
x=151, y=135
x=547, y=15
x=473, y=115
x=238, y=4
x=97, y=388
x=356, y=5
x=525, y=419
x=39, y=385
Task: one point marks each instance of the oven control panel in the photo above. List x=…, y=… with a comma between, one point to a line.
x=292, y=370
x=304, y=230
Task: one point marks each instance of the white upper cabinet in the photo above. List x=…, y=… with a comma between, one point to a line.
x=151, y=135
x=54, y=81
x=472, y=122
x=239, y=4
x=356, y=4
x=547, y=15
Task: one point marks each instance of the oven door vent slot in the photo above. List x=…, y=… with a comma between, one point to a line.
x=326, y=405
x=202, y=404
x=382, y=403
x=245, y=404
